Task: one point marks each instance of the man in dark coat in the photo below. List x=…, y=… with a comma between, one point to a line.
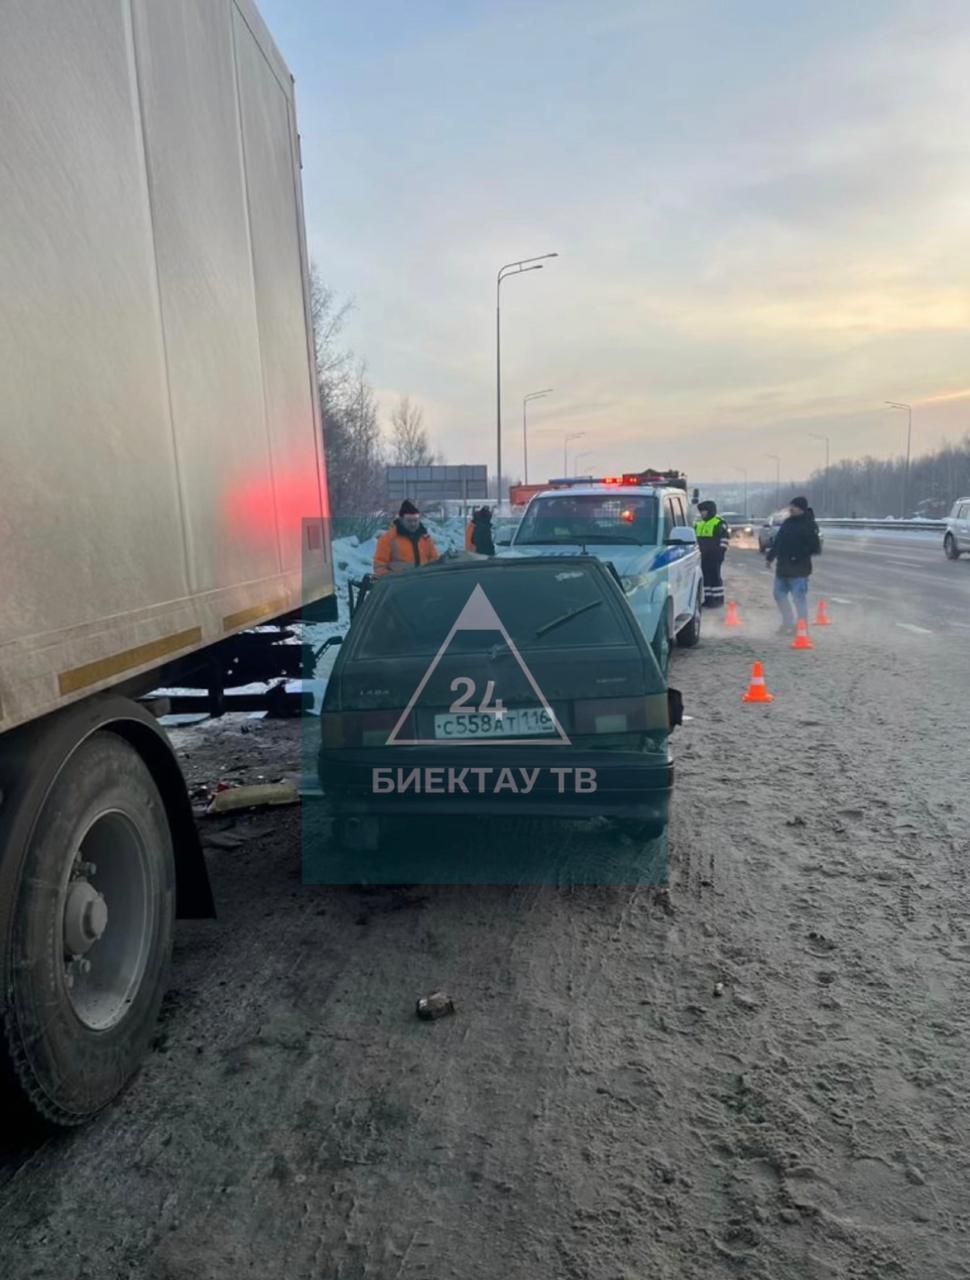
x=481, y=532
x=791, y=553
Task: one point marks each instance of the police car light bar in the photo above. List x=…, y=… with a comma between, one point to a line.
x=640, y=479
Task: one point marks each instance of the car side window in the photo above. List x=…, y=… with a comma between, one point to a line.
x=669, y=517
x=680, y=515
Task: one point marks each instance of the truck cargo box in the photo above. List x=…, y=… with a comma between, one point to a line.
x=163, y=482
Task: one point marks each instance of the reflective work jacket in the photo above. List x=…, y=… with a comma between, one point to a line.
x=398, y=549
x=711, y=533
x=470, y=536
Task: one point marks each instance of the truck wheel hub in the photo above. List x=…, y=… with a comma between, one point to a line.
x=85, y=917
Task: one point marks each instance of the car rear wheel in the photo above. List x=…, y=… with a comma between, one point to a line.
x=690, y=635
x=641, y=829
x=358, y=835
x=951, y=548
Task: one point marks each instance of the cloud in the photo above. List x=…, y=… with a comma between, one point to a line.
x=764, y=219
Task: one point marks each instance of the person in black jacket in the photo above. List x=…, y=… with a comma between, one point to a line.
x=481, y=532
x=791, y=552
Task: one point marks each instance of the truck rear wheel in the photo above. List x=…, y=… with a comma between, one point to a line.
x=92, y=933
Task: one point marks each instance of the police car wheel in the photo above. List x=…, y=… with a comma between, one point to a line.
x=690, y=635
x=661, y=646
x=951, y=548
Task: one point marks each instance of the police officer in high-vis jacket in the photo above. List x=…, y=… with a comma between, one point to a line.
x=712, y=538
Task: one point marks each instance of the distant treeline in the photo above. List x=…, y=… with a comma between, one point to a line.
x=875, y=487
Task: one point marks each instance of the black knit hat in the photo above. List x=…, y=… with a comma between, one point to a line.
x=708, y=506
x=800, y=503
x=408, y=508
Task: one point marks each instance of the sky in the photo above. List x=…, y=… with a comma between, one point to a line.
x=761, y=212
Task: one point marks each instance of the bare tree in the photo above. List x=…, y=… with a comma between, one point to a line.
x=351, y=432
x=409, y=439
x=334, y=364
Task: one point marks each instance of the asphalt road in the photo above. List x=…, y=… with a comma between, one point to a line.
x=903, y=576
x=764, y=1075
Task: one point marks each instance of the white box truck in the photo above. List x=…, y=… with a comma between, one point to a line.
x=162, y=487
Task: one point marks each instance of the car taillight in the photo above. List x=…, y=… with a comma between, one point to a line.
x=356, y=728
x=621, y=715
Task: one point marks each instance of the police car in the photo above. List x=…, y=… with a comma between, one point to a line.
x=640, y=525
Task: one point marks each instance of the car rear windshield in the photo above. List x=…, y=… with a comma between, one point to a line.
x=555, y=606
x=590, y=518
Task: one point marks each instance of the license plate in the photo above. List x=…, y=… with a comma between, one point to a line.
x=522, y=723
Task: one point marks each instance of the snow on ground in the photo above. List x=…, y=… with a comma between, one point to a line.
x=918, y=537
x=352, y=561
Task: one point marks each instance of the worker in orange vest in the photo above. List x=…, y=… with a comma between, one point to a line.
x=406, y=545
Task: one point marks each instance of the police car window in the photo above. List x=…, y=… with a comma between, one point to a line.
x=680, y=515
x=590, y=518
x=670, y=517
x=540, y=606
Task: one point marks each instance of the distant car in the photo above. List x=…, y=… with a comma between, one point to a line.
x=956, y=540
x=430, y=700
x=739, y=524
x=767, y=532
x=643, y=532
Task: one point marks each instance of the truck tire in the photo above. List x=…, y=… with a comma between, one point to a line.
x=91, y=936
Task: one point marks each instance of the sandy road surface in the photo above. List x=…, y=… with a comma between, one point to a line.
x=594, y=1110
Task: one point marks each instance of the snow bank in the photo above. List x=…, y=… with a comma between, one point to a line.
x=352, y=559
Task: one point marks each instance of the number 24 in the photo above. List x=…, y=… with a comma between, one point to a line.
x=468, y=685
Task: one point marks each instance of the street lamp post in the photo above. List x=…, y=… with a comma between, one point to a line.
x=573, y=435
x=744, y=472
x=578, y=459
x=777, y=461
x=826, y=486
x=533, y=395
x=893, y=404
x=510, y=269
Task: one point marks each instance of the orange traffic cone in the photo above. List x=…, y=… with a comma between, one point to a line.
x=731, y=618
x=822, y=619
x=802, y=640
x=757, y=689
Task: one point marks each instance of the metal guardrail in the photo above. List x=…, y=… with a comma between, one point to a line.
x=930, y=525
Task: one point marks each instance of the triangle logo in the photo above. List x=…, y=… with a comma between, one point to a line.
x=478, y=614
